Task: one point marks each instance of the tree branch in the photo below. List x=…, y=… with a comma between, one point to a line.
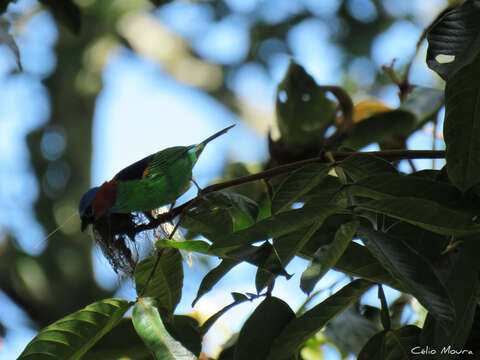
x=389, y=155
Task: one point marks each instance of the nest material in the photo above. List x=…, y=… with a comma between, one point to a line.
x=115, y=234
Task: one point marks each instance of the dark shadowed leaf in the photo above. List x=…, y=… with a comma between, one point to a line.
x=262, y=328
x=186, y=330
x=67, y=12
x=380, y=127
x=463, y=284
x=71, y=337
x=303, y=110
x=214, y=276
x=461, y=128
x=150, y=328
x=387, y=185
x=416, y=273
x=121, y=342
x=273, y=226
x=297, y=184
x=326, y=257
x=392, y=345
x=455, y=36
x=302, y=328
x=423, y=103
x=425, y=214
x=359, y=166
x=166, y=278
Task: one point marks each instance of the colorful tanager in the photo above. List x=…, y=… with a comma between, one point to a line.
x=154, y=181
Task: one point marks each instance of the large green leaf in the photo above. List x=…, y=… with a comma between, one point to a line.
x=262, y=328
x=214, y=276
x=461, y=128
x=72, y=336
x=121, y=342
x=186, y=330
x=149, y=326
x=326, y=257
x=380, y=127
x=297, y=184
x=456, y=34
x=360, y=165
x=273, y=226
x=393, y=344
x=161, y=278
x=425, y=214
x=387, y=185
x=416, y=273
x=303, y=110
x=463, y=284
x=302, y=328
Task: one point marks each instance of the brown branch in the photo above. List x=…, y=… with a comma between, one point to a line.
x=389, y=155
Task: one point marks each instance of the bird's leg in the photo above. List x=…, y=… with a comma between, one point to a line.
x=199, y=189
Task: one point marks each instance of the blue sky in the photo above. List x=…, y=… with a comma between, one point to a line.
x=143, y=110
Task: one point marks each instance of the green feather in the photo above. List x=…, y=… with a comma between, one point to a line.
x=168, y=178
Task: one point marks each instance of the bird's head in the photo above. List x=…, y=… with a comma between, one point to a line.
x=85, y=208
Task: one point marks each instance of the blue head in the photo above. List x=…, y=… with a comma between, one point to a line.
x=85, y=207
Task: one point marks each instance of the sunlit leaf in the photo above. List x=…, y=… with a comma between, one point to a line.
x=72, y=336
x=302, y=328
x=150, y=328
x=161, y=278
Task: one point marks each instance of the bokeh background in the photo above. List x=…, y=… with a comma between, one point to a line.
x=139, y=78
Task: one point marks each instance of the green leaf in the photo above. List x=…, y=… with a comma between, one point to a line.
x=416, y=273
x=302, y=328
x=327, y=256
x=425, y=214
x=463, y=284
x=273, y=226
x=166, y=278
x=214, y=276
x=121, y=342
x=388, y=185
x=461, y=128
x=9, y=41
x=303, y=110
x=199, y=246
x=150, y=328
x=379, y=127
x=358, y=261
x=359, y=166
x=67, y=12
x=72, y=336
x=392, y=345
x=262, y=328
x=455, y=36
x=211, y=320
x=185, y=329
x=424, y=103
x=297, y=184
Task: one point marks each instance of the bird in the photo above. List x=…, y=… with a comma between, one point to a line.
x=154, y=181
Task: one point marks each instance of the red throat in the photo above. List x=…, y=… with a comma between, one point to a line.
x=104, y=199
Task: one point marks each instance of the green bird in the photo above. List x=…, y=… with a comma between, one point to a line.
x=154, y=181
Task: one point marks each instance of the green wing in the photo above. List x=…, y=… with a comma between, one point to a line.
x=163, y=161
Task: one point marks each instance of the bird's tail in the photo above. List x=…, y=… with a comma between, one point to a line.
x=199, y=148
